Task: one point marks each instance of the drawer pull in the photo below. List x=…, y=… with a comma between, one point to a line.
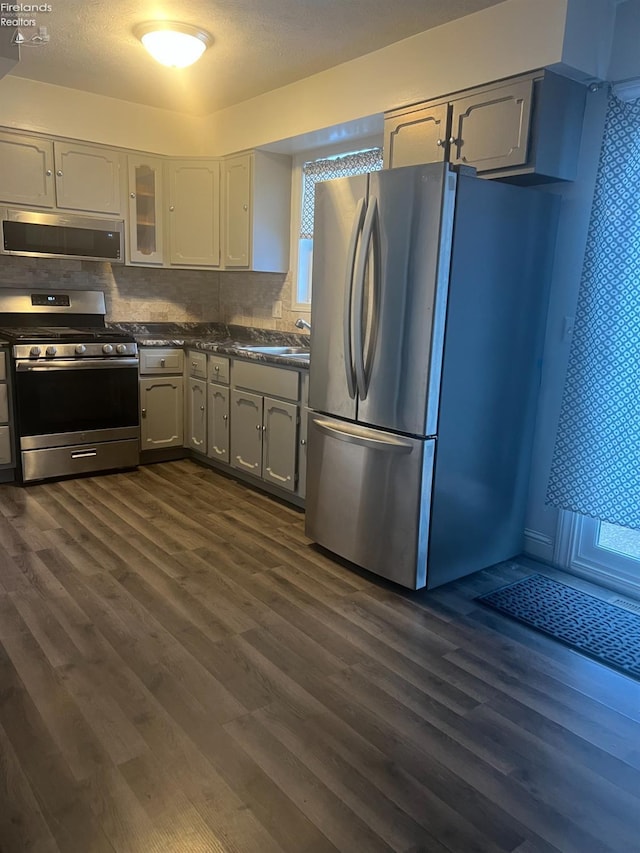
x=84, y=454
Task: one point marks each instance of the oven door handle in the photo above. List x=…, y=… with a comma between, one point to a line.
x=77, y=364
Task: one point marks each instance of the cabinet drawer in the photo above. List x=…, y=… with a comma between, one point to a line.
x=161, y=360
x=273, y=381
x=218, y=369
x=4, y=405
x=5, y=446
x=3, y=366
x=197, y=364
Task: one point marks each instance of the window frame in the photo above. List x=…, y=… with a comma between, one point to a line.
x=299, y=159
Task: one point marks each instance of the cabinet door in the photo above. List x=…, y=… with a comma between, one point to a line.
x=419, y=136
x=246, y=431
x=236, y=224
x=6, y=452
x=26, y=171
x=491, y=130
x=302, y=436
x=88, y=178
x=197, y=414
x=194, y=213
x=145, y=210
x=279, y=452
x=218, y=422
x=162, y=412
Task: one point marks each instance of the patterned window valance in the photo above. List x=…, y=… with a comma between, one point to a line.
x=342, y=166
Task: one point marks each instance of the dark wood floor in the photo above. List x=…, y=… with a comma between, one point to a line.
x=181, y=671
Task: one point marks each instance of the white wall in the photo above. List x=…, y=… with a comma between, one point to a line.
x=503, y=40
x=620, y=35
x=625, y=55
x=58, y=111
x=575, y=210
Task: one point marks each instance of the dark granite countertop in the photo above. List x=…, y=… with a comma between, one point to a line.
x=219, y=337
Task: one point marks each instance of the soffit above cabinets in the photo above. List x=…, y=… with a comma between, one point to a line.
x=258, y=45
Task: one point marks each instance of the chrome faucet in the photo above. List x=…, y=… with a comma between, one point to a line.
x=301, y=323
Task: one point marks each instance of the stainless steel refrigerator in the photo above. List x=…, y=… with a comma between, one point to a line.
x=429, y=294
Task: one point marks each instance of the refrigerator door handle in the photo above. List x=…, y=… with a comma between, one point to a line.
x=368, y=235
x=348, y=297
x=372, y=439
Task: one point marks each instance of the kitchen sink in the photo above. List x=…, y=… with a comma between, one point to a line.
x=290, y=351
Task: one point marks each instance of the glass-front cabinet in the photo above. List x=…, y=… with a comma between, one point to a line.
x=145, y=210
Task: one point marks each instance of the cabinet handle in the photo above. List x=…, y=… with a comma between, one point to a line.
x=225, y=417
x=144, y=413
x=163, y=362
x=439, y=142
x=258, y=426
x=263, y=428
x=202, y=408
x=245, y=207
x=303, y=441
x=172, y=207
x=133, y=195
x=59, y=173
x=194, y=364
x=454, y=141
x=216, y=368
x=48, y=173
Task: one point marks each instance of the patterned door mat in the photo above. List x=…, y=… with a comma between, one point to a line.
x=587, y=624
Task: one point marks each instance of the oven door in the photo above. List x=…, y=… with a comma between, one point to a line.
x=69, y=402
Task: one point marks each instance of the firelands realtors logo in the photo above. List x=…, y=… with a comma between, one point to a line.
x=21, y=17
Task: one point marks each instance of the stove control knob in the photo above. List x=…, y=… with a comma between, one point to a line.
x=35, y=351
x=80, y=349
x=107, y=349
x=121, y=349
x=51, y=351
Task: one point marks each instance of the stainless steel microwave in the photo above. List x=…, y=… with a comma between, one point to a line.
x=58, y=235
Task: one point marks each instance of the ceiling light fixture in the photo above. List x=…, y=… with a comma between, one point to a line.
x=173, y=44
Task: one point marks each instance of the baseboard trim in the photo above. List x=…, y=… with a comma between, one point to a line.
x=538, y=545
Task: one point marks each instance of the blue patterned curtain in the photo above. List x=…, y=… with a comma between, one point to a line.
x=596, y=461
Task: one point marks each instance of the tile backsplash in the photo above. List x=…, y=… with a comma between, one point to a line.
x=145, y=295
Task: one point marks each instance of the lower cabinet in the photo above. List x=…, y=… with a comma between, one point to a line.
x=218, y=422
x=264, y=436
x=6, y=444
x=249, y=417
x=161, y=410
x=161, y=398
x=197, y=414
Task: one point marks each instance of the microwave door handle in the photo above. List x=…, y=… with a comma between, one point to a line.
x=360, y=273
x=348, y=298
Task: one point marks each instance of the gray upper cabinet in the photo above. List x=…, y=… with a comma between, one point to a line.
x=412, y=135
x=26, y=171
x=526, y=129
x=491, y=131
x=39, y=172
x=256, y=211
x=194, y=212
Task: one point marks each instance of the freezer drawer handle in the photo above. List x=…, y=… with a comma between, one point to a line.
x=365, y=438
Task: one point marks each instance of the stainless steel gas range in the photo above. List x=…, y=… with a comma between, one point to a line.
x=75, y=384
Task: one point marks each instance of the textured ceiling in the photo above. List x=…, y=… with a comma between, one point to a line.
x=258, y=45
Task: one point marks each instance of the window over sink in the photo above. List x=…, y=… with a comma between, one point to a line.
x=310, y=170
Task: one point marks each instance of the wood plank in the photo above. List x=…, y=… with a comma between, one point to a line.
x=180, y=668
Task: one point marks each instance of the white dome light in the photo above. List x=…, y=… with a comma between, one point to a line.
x=172, y=44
